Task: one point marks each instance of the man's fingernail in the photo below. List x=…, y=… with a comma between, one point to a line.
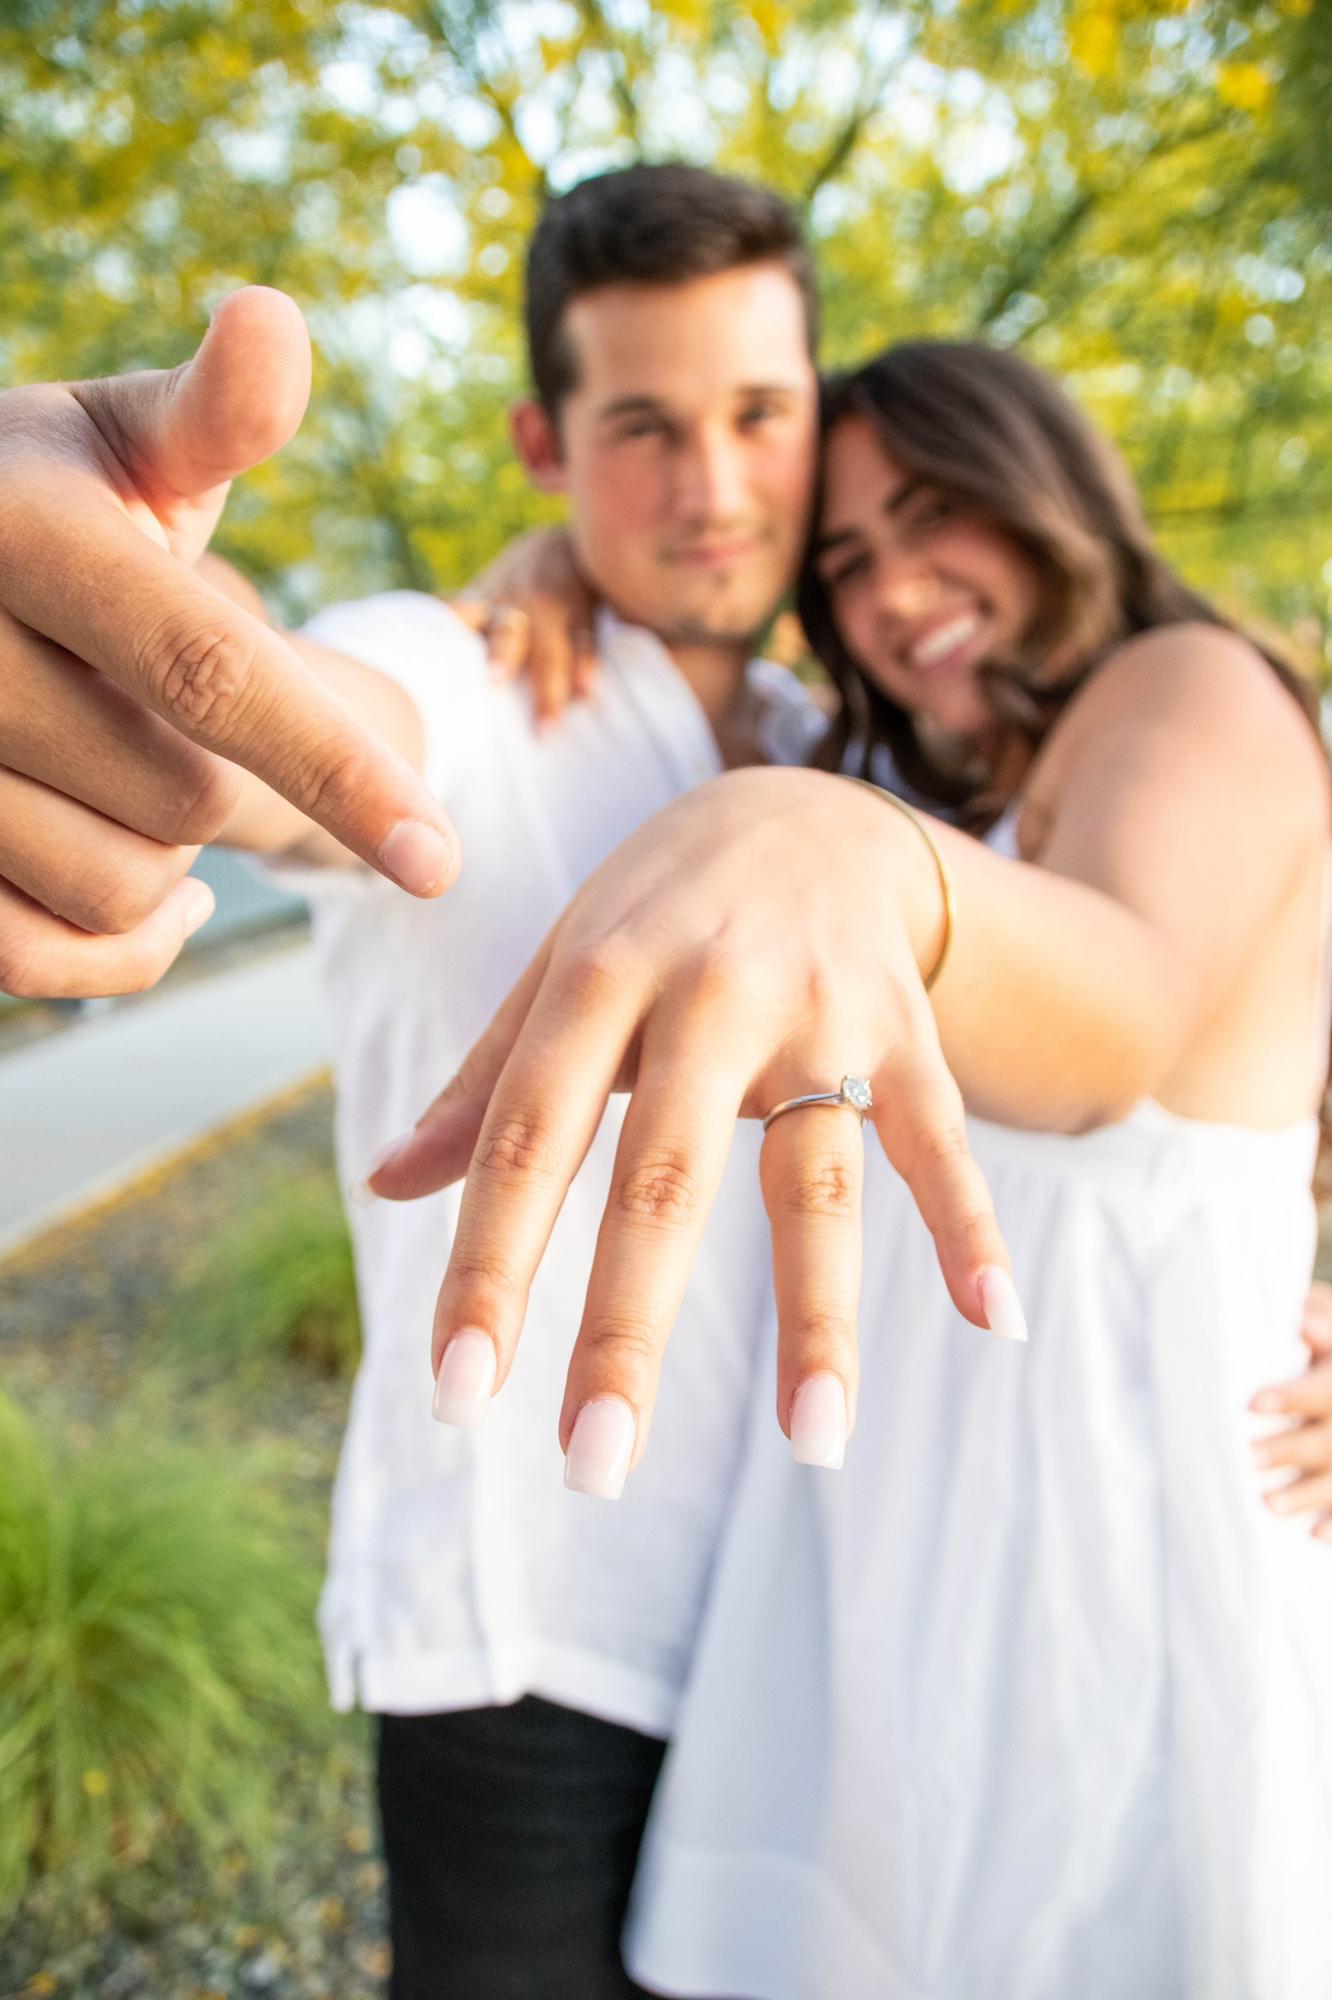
x=1268, y=1402
x=417, y=856
x=600, y=1448
x=1001, y=1305
x=818, y=1422
x=200, y=902
x=466, y=1380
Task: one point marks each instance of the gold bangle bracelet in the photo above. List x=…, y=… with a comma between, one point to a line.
x=940, y=868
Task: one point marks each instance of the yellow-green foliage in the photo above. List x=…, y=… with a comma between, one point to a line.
x=1138, y=192
x=276, y=1285
x=156, y=1638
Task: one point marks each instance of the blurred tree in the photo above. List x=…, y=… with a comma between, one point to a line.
x=1138, y=192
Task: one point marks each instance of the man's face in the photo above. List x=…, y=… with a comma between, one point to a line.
x=687, y=449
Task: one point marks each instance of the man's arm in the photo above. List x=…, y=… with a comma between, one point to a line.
x=110, y=779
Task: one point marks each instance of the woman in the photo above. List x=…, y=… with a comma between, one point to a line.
x=1033, y=1699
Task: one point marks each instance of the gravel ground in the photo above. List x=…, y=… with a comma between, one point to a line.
x=80, y=1331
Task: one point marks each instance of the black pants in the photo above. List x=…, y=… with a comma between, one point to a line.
x=511, y=1836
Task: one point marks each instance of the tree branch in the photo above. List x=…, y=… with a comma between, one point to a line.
x=468, y=60
x=848, y=138
x=594, y=20
x=1032, y=260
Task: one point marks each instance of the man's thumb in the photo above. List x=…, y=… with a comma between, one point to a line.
x=185, y=432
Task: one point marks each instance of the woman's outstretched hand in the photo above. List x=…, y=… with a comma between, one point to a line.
x=536, y=612
x=759, y=939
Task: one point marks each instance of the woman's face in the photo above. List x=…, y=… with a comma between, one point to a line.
x=922, y=592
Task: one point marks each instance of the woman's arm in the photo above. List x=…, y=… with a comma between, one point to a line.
x=764, y=936
x=1184, y=803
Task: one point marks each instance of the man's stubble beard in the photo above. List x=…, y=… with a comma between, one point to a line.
x=703, y=625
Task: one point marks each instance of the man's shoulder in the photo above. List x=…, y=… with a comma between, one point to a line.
x=393, y=619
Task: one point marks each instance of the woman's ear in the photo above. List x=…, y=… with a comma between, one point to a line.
x=537, y=443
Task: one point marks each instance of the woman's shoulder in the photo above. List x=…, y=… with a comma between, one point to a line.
x=1207, y=686
x=1209, y=674
x=1184, y=702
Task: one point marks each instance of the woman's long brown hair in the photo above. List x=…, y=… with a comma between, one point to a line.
x=1002, y=439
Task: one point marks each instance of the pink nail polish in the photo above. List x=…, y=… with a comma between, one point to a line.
x=1268, y=1401
x=600, y=1448
x=417, y=856
x=361, y=1191
x=466, y=1380
x=389, y=1152
x=1001, y=1305
x=818, y=1422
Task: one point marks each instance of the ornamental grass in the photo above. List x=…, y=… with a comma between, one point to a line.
x=276, y=1285
x=156, y=1641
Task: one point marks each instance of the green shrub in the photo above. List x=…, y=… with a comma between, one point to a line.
x=276, y=1285
x=156, y=1644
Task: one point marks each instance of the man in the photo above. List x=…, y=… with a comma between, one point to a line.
x=524, y=1651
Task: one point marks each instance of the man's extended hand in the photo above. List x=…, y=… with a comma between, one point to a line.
x=126, y=680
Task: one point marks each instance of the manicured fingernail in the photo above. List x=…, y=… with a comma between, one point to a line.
x=1001, y=1305
x=361, y=1191
x=600, y=1448
x=466, y=1380
x=1323, y=1532
x=417, y=856
x=1280, y=1500
x=818, y=1422
x=1268, y=1401
x=200, y=902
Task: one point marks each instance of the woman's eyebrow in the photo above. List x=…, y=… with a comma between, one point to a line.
x=904, y=495
x=835, y=537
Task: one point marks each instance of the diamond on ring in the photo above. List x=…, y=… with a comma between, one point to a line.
x=857, y=1093
x=854, y=1092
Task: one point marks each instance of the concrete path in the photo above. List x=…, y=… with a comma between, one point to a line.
x=97, y=1104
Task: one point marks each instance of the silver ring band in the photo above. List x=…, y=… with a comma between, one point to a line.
x=854, y=1092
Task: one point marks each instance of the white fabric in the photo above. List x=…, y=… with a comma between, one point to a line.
x=1033, y=1700
x=460, y=1571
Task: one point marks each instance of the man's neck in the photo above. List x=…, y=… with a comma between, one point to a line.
x=718, y=679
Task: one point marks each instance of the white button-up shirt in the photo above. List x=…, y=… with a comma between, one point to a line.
x=461, y=1572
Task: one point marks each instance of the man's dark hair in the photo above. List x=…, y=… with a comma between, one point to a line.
x=650, y=225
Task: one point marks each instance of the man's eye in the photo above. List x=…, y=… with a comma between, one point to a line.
x=642, y=427
x=757, y=414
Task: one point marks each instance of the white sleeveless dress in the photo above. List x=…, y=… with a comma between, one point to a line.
x=1033, y=1700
